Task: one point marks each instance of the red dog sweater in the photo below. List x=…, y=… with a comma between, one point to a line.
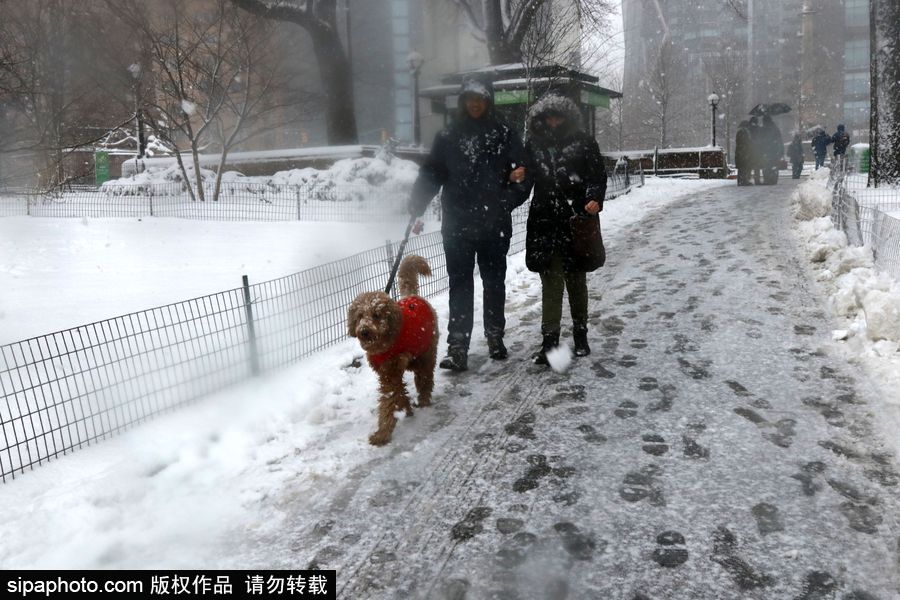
x=416, y=331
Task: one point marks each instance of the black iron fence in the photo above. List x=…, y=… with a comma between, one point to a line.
x=68, y=389
x=868, y=216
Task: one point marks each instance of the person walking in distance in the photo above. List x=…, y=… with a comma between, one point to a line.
x=819, y=143
x=472, y=159
x=566, y=169
x=795, y=153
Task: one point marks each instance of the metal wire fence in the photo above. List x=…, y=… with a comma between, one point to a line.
x=869, y=217
x=66, y=390
x=237, y=201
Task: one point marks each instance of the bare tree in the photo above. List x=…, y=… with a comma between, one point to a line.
x=659, y=106
x=215, y=79
x=319, y=19
x=884, y=19
x=505, y=25
x=53, y=74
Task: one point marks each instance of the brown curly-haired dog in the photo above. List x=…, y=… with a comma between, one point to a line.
x=397, y=337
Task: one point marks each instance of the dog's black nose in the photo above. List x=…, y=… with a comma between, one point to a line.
x=364, y=333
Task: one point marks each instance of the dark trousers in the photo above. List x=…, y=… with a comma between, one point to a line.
x=462, y=254
x=798, y=168
x=820, y=161
x=553, y=281
x=743, y=176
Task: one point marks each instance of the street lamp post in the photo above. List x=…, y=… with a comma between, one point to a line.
x=415, y=60
x=135, y=70
x=713, y=103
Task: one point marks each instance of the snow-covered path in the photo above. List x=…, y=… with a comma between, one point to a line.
x=711, y=447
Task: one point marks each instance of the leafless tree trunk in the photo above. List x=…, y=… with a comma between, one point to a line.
x=319, y=19
x=884, y=19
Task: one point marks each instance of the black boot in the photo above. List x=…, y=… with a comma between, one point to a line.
x=457, y=359
x=550, y=341
x=579, y=335
x=496, y=348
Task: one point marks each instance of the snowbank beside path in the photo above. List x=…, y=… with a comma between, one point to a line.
x=186, y=489
x=867, y=301
x=353, y=172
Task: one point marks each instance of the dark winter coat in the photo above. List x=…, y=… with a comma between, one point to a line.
x=743, y=147
x=771, y=143
x=841, y=141
x=795, y=150
x=820, y=143
x=566, y=169
x=472, y=159
x=757, y=145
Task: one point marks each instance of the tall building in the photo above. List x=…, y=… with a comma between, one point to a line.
x=809, y=54
x=856, y=102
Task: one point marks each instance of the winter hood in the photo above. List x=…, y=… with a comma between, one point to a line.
x=554, y=104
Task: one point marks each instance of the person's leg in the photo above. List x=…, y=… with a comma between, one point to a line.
x=553, y=283
x=576, y=286
x=491, y=256
x=460, y=255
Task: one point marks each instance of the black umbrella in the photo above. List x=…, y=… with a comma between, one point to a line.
x=775, y=108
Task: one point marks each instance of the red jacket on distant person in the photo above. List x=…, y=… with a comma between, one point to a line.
x=416, y=331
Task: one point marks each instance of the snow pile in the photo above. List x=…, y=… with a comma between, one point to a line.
x=365, y=174
x=882, y=311
x=362, y=174
x=152, y=177
x=869, y=299
x=811, y=200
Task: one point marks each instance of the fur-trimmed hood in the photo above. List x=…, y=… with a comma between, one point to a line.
x=554, y=104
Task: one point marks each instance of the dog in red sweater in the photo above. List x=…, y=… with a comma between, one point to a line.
x=397, y=337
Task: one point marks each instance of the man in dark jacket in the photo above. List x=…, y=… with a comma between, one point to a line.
x=819, y=145
x=472, y=159
x=795, y=153
x=743, y=153
x=565, y=166
x=841, y=140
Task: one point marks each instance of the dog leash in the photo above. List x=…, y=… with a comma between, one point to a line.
x=390, y=283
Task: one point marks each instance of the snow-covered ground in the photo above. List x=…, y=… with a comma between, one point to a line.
x=60, y=273
x=866, y=301
x=176, y=492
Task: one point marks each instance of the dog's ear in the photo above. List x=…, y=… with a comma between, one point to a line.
x=352, y=318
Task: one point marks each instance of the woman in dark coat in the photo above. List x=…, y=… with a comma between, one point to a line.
x=565, y=166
